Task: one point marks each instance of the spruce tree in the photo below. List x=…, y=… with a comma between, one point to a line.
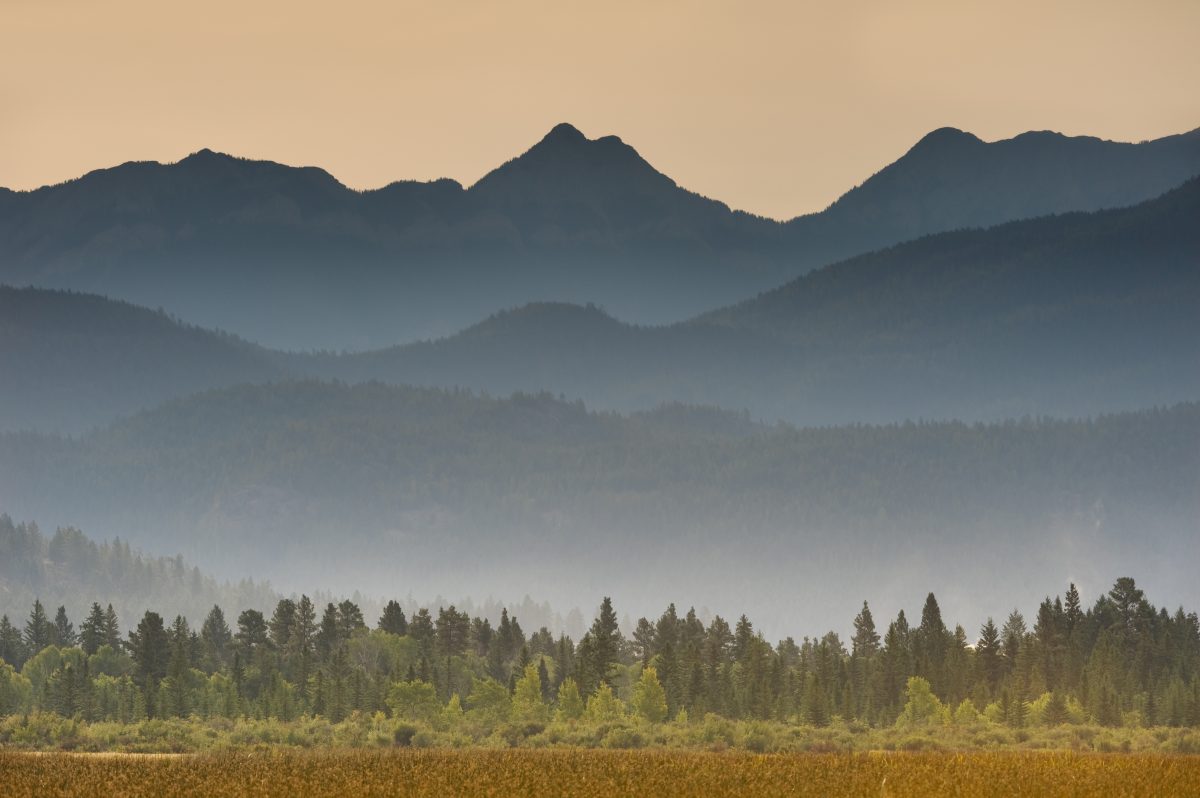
x=12, y=647
x=216, y=639
x=64, y=631
x=392, y=620
x=112, y=628
x=606, y=642
x=39, y=632
x=91, y=631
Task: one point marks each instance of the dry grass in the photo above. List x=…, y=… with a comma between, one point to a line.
x=584, y=774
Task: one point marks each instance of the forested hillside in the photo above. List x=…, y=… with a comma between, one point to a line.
x=291, y=258
x=70, y=570
x=1066, y=315
x=300, y=480
x=74, y=361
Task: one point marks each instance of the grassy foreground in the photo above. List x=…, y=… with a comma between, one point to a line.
x=570, y=773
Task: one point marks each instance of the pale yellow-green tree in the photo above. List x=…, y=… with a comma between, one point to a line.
x=415, y=700
x=603, y=705
x=966, y=714
x=452, y=714
x=649, y=697
x=489, y=701
x=922, y=707
x=527, y=698
x=570, y=703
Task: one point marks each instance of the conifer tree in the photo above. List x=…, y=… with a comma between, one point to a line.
x=392, y=620
x=64, y=631
x=12, y=647
x=606, y=642
x=39, y=632
x=216, y=639
x=91, y=631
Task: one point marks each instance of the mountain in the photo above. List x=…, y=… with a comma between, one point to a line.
x=1067, y=315
x=395, y=489
x=73, y=361
x=952, y=180
x=293, y=259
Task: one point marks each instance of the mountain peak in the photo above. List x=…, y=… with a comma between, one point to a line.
x=567, y=163
x=945, y=137
x=206, y=155
x=564, y=133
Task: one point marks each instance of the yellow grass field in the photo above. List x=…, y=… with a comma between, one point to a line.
x=598, y=774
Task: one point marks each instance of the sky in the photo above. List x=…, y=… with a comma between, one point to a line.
x=772, y=107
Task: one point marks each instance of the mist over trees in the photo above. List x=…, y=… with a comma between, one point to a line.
x=450, y=492
x=1074, y=335
x=1119, y=662
x=71, y=569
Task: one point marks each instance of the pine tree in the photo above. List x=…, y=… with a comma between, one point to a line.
x=420, y=629
x=150, y=647
x=931, y=643
x=12, y=647
x=988, y=652
x=282, y=622
x=179, y=667
x=39, y=632
x=392, y=620
x=64, y=631
x=91, y=631
x=544, y=679
x=216, y=639
x=302, y=646
x=1056, y=710
x=1073, y=612
x=644, y=640
x=606, y=642
x=865, y=642
x=252, y=634
x=112, y=628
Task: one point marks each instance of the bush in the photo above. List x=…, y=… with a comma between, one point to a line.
x=623, y=737
x=404, y=733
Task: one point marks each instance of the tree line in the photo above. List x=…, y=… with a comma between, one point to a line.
x=1120, y=661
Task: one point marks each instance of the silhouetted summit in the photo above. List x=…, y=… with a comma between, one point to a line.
x=292, y=258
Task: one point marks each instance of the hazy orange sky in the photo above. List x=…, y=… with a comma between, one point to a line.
x=773, y=107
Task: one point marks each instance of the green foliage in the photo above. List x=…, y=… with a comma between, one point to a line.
x=649, y=698
x=413, y=701
x=570, y=702
x=16, y=691
x=527, y=703
x=603, y=706
x=489, y=702
x=922, y=706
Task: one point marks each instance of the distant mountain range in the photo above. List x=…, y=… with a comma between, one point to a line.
x=291, y=258
x=1066, y=315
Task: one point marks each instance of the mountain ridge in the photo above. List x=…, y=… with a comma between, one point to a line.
x=292, y=258
x=1064, y=315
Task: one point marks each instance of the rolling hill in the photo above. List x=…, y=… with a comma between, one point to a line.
x=71, y=361
x=1066, y=315
x=388, y=489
